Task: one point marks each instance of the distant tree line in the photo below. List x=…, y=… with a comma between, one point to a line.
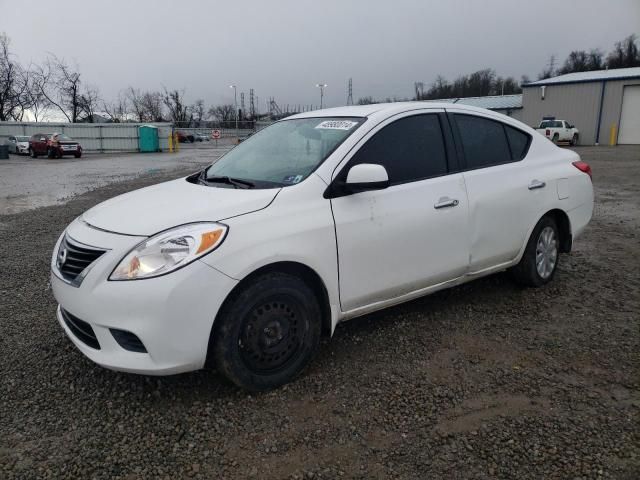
x=56, y=88
x=625, y=54
x=485, y=82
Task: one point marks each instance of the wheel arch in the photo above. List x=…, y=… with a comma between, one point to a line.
x=297, y=269
x=564, y=228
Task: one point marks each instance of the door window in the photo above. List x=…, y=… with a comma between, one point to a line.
x=484, y=141
x=411, y=148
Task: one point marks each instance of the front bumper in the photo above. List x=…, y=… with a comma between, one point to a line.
x=172, y=315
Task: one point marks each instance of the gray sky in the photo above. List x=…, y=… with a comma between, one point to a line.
x=283, y=48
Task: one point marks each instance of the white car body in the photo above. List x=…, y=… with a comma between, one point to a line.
x=18, y=144
x=370, y=250
x=563, y=132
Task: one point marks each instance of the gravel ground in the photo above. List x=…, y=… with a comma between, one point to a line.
x=482, y=381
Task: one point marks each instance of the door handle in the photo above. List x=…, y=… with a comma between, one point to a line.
x=445, y=202
x=536, y=184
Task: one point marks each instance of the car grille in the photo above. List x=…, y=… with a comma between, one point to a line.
x=72, y=259
x=81, y=330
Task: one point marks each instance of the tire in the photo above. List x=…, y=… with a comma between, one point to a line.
x=32, y=153
x=574, y=140
x=540, y=260
x=50, y=153
x=555, y=138
x=266, y=333
x=77, y=155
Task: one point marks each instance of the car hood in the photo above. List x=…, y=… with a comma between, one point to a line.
x=152, y=209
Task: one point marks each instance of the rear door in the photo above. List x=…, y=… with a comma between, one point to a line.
x=504, y=191
x=412, y=234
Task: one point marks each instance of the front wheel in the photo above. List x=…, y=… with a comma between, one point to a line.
x=32, y=153
x=267, y=333
x=540, y=259
x=77, y=155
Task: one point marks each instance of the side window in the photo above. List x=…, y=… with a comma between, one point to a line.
x=483, y=141
x=518, y=141
x=411, y=148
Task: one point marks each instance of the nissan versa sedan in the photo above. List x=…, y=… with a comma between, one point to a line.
x=317, y=219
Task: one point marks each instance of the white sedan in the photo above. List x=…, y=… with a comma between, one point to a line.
x=317, y=219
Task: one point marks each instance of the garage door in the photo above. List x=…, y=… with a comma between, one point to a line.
x=630, y=117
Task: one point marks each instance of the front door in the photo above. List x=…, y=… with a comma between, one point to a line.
x=412, y=234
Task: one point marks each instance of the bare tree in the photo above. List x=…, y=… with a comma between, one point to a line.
x=13, y=84
x=134, y=97
x=625, y=54
x=118, y=110
x=152, y=107
x=222, y=113
x=198, y=111
x=366, y=100
x=61, y=88
x=145, y=106
x=178, y=111
x=88, y=102
x=38, y=103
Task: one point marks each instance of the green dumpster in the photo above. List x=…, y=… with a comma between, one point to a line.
x=148, y=138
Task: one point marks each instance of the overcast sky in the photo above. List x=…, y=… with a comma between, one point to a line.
x=283, y=48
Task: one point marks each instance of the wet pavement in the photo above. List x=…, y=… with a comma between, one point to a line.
x=27, y=183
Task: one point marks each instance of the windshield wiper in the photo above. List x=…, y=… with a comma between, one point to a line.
x=236, y=182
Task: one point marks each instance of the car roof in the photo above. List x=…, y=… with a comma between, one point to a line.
x=382, y=108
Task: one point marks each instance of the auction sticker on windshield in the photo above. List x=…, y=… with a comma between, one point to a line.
x=337, y=124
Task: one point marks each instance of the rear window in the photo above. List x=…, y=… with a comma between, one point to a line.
x=518, y=142
x=551, y=124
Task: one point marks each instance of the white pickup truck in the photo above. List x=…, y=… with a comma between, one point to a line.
x=559, y=131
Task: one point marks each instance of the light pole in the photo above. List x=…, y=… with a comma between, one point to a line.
x=321, y=86
x=235, y=101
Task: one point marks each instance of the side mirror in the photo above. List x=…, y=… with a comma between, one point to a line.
x=367, y=176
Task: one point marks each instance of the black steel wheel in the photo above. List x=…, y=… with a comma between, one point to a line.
x=266, y=332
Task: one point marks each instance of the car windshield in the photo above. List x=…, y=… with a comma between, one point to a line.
x=286, y=152
x=62, y=136
x=22, y=139
x=551, y=124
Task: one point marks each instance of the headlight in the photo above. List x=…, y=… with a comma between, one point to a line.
x=170, y=250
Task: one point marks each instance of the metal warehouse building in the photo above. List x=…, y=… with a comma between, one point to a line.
x=604, y=105
x=510, y=105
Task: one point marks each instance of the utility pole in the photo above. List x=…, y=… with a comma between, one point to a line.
x=321, y=86
x=350, y=92
x=235, y=101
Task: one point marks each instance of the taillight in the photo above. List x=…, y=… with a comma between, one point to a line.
x=583, y=167
x=547, y=132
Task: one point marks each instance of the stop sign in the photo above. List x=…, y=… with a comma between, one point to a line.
x=215, y=134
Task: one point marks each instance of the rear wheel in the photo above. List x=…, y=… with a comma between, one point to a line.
x=574, y=139
x=555, y=138
x=266, y=333
x=540, y=259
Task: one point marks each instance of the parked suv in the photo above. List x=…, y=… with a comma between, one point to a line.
x=53, y=145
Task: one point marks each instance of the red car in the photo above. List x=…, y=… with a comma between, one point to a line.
x=53, y=145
